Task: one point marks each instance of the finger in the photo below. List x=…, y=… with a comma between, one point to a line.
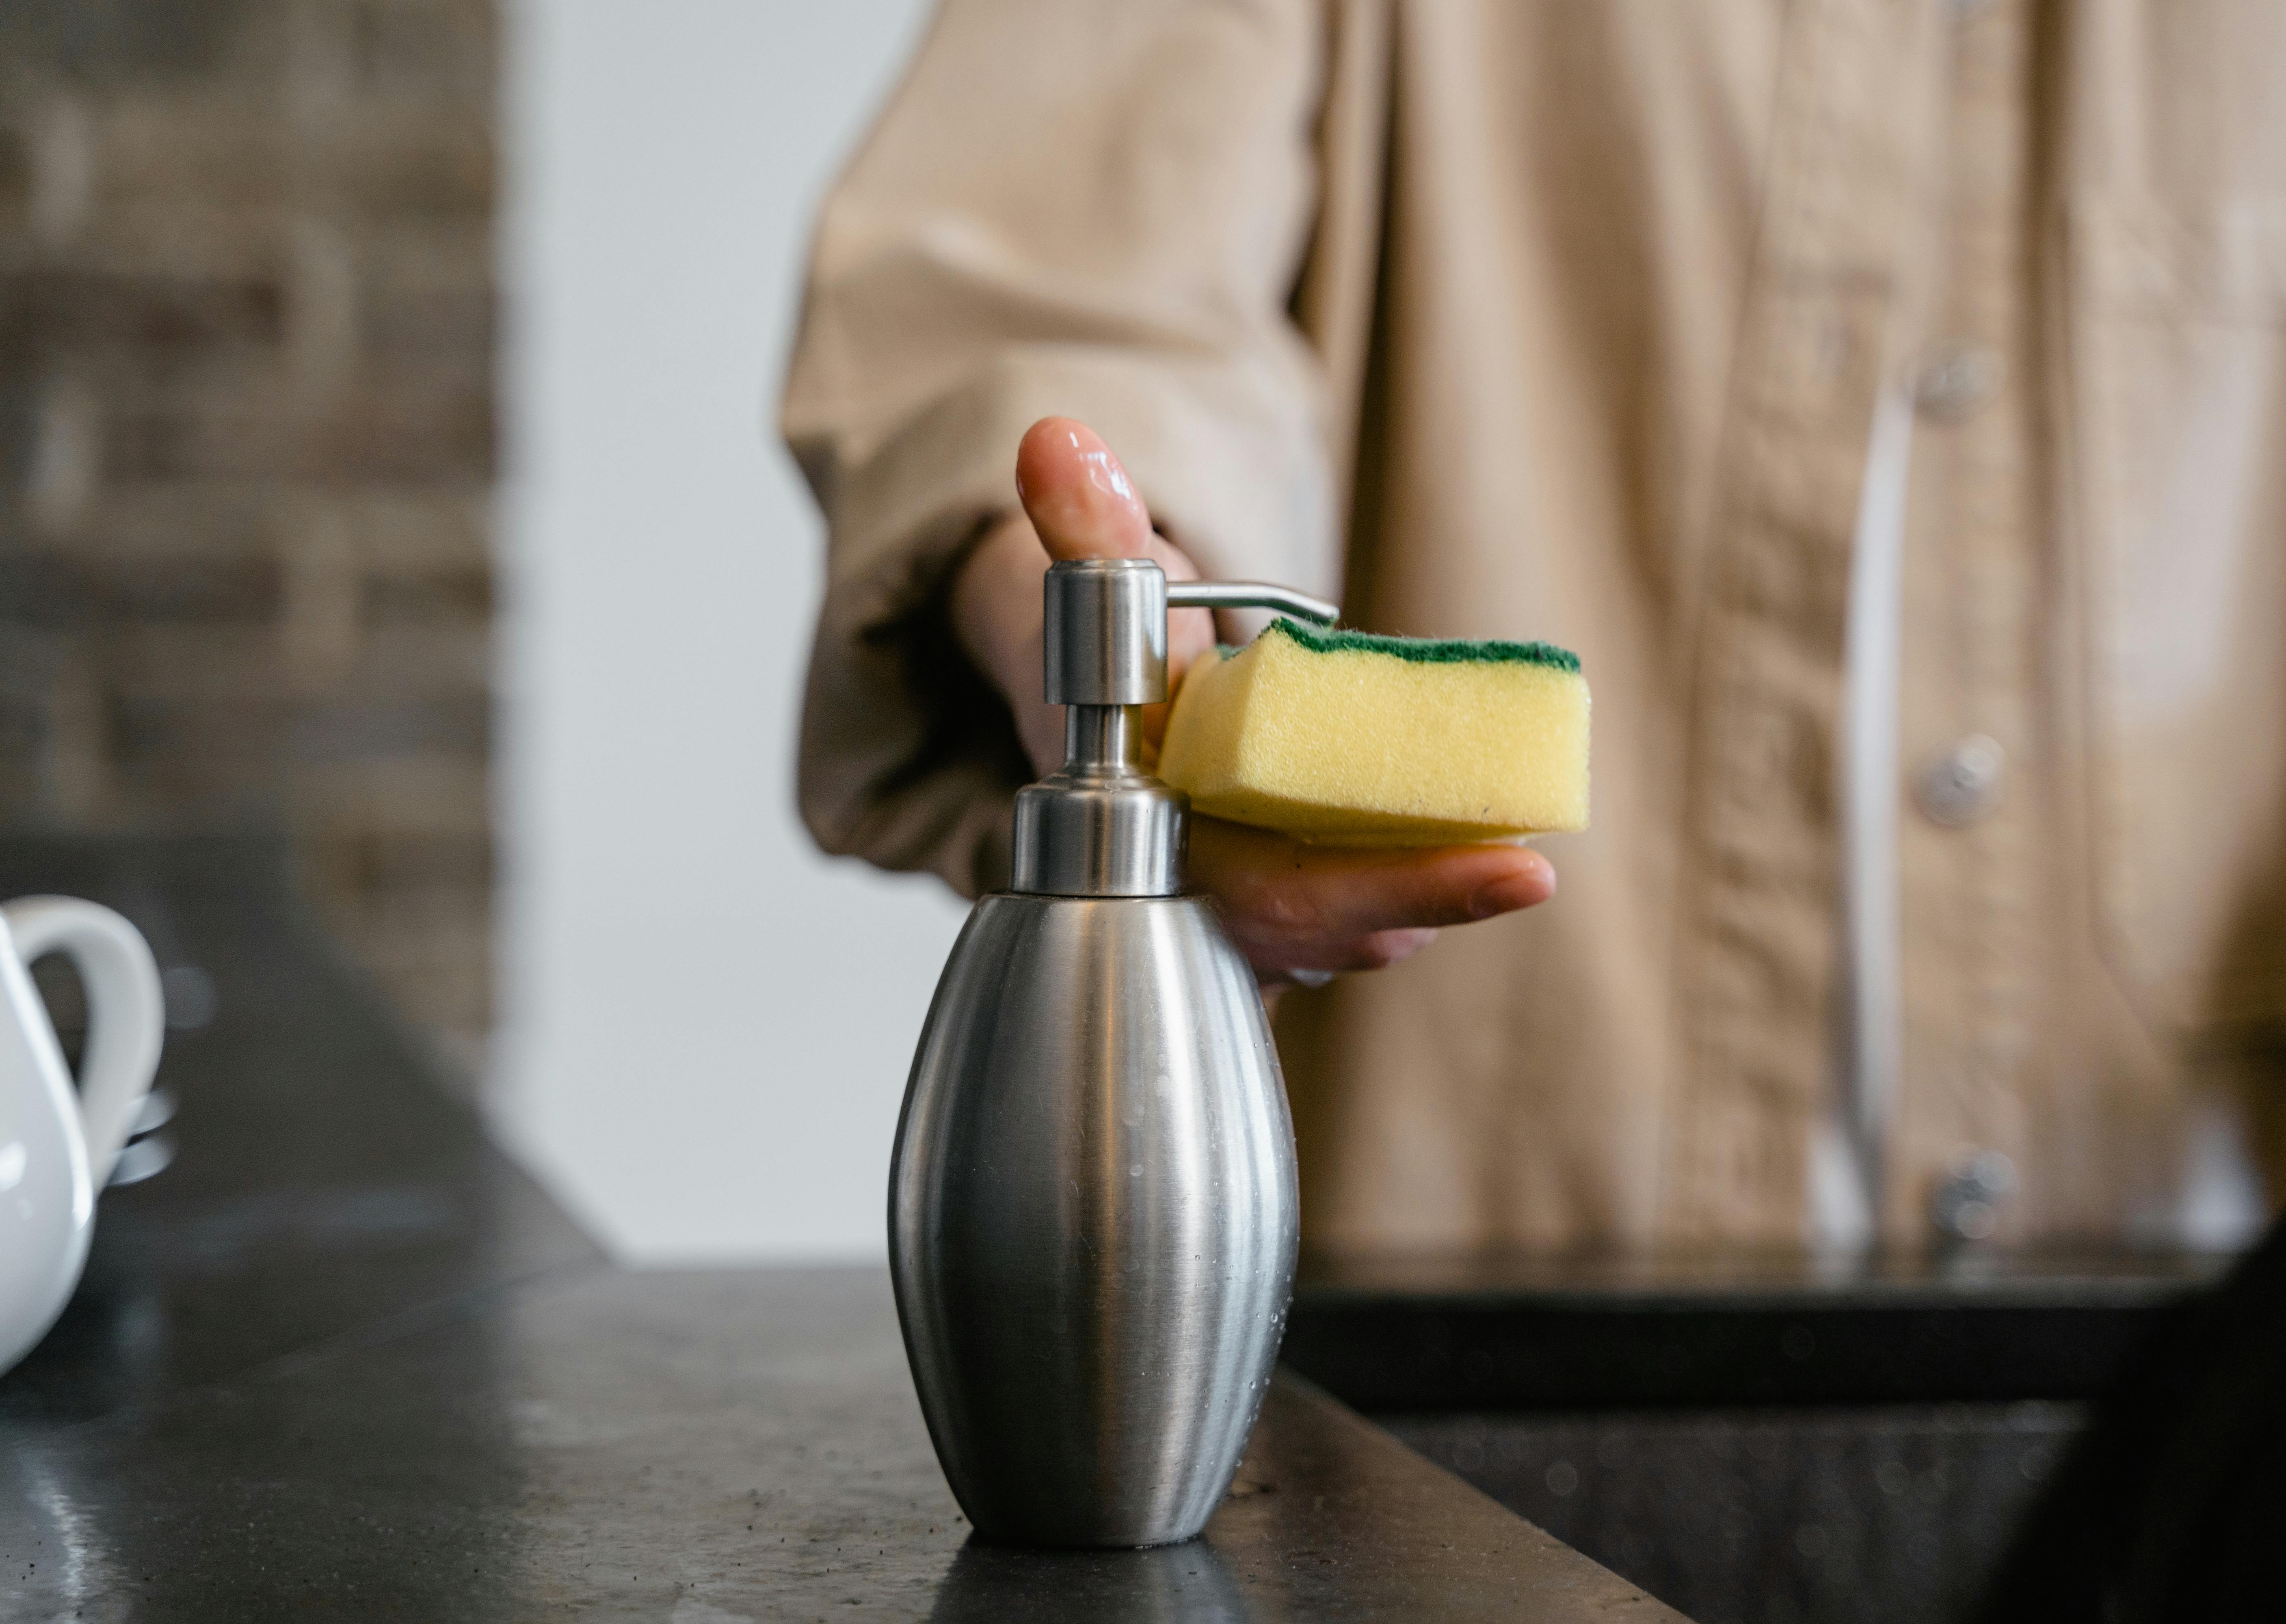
x=996, y=615
x=1282, y=888
x=1190, y=633
x=1318, y=959
x=1083, y=505
x=1079, y=499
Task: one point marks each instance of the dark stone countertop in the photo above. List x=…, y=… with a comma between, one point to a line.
x=326, y=1186
x=344, y=1360
x=1694, y=1329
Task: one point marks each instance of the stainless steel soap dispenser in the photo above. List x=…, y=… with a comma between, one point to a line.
x=1093, y=1203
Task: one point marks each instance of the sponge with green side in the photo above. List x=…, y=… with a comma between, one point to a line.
x=1350, y=738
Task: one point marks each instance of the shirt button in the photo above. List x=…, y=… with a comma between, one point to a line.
x=1965, y=1203
x=1962, y=785
x=1955, y=380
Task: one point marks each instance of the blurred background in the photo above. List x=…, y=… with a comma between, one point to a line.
x=386, y=396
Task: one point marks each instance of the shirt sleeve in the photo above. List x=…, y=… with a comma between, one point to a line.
x=1092, y=207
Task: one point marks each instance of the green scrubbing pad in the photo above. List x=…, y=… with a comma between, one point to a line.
x=1350, y=738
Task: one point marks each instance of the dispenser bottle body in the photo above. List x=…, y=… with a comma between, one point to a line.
x=1092, y=1217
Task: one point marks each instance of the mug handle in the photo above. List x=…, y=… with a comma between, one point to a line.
x=127, y=1011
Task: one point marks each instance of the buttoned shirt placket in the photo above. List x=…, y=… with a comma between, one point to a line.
x=1841, y=201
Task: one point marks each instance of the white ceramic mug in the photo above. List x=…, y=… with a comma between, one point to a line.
x=56, y=1147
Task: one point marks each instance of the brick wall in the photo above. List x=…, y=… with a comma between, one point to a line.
x=247, y=446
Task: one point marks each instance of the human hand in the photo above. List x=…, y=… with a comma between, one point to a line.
x=1078, y=504
x=1297, y=911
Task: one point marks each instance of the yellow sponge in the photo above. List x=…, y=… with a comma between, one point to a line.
x=1350, y=739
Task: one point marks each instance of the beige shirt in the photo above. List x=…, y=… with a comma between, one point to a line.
x=1569, y=321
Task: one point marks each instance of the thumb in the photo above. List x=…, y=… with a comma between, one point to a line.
x=1078, y=497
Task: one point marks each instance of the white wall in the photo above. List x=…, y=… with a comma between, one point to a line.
x=705, y=1025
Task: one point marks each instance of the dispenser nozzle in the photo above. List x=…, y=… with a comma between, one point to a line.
x=1250, y=595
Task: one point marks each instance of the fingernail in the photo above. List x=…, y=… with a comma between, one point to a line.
x=1510, y=893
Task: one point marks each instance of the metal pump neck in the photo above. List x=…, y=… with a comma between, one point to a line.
x=1102, y=827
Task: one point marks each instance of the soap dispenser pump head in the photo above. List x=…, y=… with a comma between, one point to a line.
x=1102, y=827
